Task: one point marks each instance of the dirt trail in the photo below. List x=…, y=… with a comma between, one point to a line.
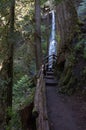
x=65, y=112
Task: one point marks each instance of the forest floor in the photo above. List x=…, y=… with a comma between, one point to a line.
x=65, y=112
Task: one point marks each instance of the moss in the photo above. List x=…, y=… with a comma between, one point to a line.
x=78, y=47
x=71, y=82
x=64, y=77
x=84, y=53
x=68, y=88
x=58, y=38
x=84, y=91
x=58, y=1
x=28, y=100
x=67, y=77
x=84, y=71
x=77, y=29
x=71, y=59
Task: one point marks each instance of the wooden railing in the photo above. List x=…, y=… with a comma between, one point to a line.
x=50, y=56
x=40, y=109
x=40, y=104
x=47, y=62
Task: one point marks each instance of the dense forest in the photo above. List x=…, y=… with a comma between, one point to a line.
x=28, y=30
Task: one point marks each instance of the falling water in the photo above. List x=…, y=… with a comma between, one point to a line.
x=53, y=43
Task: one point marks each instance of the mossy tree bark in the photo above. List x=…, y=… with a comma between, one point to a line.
x=67, y=23
x=47, y=31
x=10, y=58
x=6, y=73
x=67, y=28
x=38, y=48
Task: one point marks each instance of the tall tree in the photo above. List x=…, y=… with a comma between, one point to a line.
x=10, y=53
x=47, y=31
x=38, y=47
x=6, y=72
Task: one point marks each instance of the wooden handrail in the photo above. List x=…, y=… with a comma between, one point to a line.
x=48, y=62
x=47, y=57
x=40, y=97
x=40, y=104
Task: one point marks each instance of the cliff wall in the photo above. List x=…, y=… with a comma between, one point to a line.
x=71, y=48
x=66, y=22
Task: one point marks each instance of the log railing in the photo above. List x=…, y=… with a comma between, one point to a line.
x=40, y=104
x=40, y=110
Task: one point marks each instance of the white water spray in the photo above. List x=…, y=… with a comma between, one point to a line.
x=53, y=43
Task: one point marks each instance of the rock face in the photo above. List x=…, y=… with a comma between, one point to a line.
x=81, y=10
x=71, y=34
x=66, y=23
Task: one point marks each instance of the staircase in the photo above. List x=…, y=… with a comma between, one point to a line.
x=50, y=79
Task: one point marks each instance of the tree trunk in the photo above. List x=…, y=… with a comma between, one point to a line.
x=10, y=54
x=6, y=74
x=47, y=32
x=66, y=21
x=38, y=48
x=10, y=58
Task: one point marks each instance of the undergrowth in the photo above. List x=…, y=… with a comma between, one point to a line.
x=23, y=94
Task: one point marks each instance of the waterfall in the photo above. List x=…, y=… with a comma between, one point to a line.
x=53, y=43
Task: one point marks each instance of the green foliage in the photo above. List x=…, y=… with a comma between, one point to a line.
x=80, y=44
x=25, y=17
x=15, y=122
x=84, y=55
x=23, y=94
x=71, y=59
x=78, y=47
x=42, y=2
x=68, y=88
x=24, y=61
x=44, y=39
x=67, y=77
x=21, y=90
x=58, y=1
x=81, y=48
x=58, y=38
x=44, y=48
x=84, y=71
x=18, y=73
x=4, y=7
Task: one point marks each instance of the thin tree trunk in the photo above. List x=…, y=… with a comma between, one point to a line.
x=38, y=34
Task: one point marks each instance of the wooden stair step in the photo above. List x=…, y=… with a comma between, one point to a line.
x=49, y=77
x=51, y=82
x=49, y=73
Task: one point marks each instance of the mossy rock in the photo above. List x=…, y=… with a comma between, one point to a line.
x=65, y=90
x=68, y=88
x=65, y=77
x=84, y=71
x=84, y=53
